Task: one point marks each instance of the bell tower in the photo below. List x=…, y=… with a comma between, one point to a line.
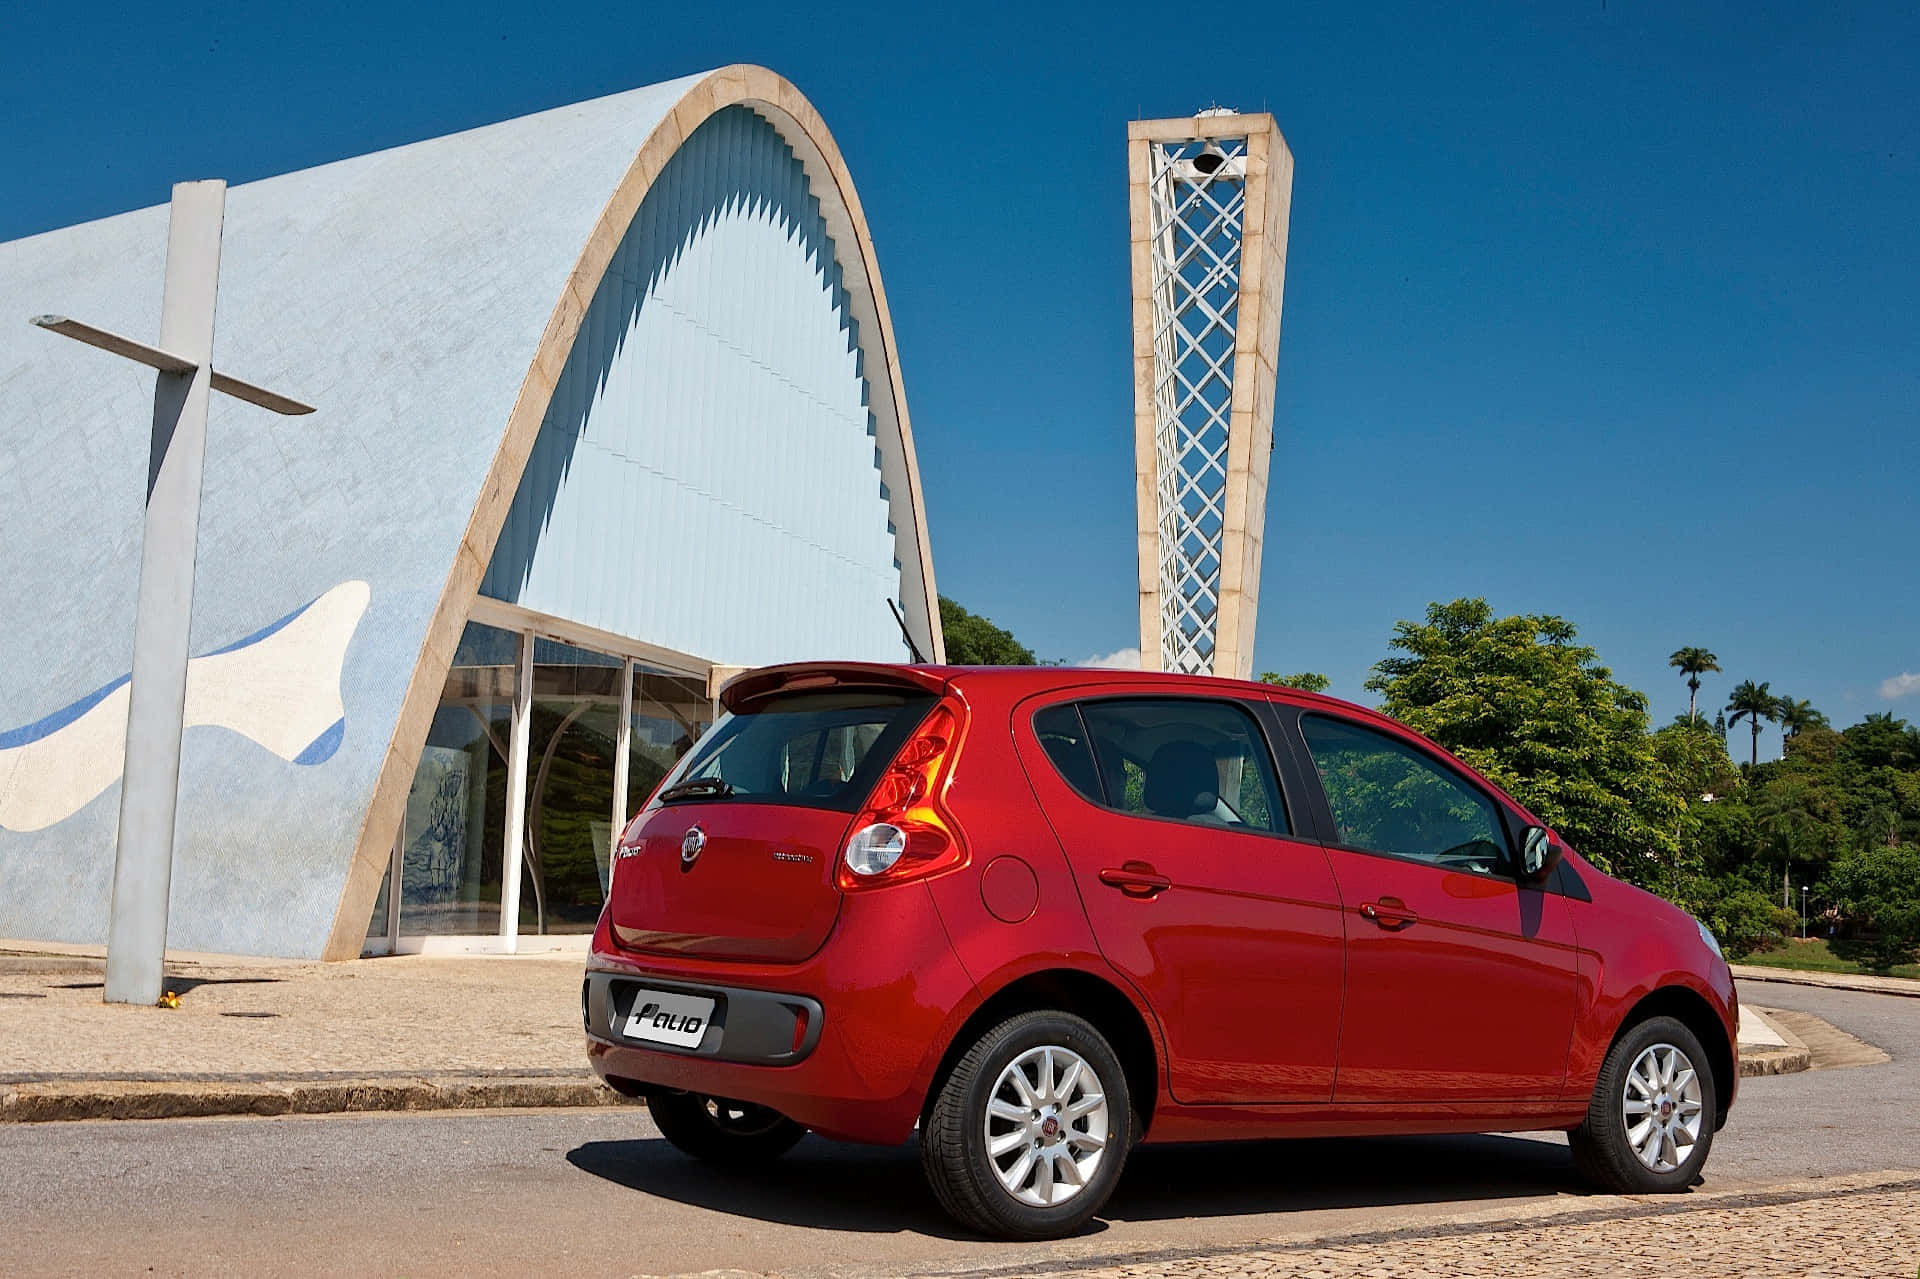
x=1209, y=197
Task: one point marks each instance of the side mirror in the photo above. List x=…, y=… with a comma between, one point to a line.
x=1539, y=854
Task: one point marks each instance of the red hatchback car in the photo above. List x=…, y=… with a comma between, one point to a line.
x=1044, y=914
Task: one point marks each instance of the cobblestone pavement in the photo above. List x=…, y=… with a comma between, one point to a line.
x=1845, y=1228
x=401, y=1015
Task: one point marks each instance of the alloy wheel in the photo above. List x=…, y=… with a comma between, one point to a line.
x=1661, y=1107
x=1046, y=1125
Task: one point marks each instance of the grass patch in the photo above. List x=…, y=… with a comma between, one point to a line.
x=1818, y=955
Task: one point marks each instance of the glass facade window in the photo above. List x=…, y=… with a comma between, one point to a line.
x=453, y=836
x=451, y=854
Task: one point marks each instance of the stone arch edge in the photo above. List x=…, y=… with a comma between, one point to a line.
x=801, y=126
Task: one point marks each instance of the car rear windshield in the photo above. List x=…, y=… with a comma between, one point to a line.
x=815, y=750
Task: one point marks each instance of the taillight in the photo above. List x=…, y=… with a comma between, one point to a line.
x=905, y=832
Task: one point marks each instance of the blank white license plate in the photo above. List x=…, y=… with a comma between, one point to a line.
x=663, y=1017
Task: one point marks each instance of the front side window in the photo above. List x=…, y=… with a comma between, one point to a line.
x=1389, y=796
x=1183, y=759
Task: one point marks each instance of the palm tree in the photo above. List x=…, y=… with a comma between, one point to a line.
x=1753, y=703
x=1796, y=717
x=1693, y=663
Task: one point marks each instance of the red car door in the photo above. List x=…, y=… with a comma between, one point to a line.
x=1172, y=817
x=1461, y=982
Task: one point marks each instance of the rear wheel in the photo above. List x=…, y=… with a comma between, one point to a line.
x=1650, y=1123
x=1027, y=1135
x=732, y=1133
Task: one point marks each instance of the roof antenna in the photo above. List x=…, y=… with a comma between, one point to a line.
x=919, y=658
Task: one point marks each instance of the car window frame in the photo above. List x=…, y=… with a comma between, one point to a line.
x=1507, y=873
x=1290, y=808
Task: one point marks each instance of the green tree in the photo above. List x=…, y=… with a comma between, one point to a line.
x=1796, y=717
x=1309, y=681
x=1882, y=886
x=1753, y=703
x=1883, y=741
x=972, y=640
x=1701, y=777
x=1693, y=663
x=1798, y=817
x=1518, y=699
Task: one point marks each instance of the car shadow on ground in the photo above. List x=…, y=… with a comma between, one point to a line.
x=834, y=1186
x=827, y=1185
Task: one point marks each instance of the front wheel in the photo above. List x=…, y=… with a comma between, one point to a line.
x=1026, y=1136
x=1650, y=1123
x=735, y=1134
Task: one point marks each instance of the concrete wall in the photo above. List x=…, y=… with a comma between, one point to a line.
x=425, y=299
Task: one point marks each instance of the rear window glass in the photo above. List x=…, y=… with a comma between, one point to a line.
x=814, y=750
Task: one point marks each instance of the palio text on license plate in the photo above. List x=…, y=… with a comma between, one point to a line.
x=663, y=1017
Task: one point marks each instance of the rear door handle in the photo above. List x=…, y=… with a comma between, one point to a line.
x=1136, y=879
x=1390, y=913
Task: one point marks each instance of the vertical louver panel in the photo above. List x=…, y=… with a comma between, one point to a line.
x=706, y=479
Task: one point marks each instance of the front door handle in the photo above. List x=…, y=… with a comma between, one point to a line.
x=1136, y=879
x=1390, y=913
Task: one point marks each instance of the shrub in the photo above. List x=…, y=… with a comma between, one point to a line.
x=1746, y=920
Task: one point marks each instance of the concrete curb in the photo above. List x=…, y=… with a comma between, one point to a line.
x=1789, y=1060
x=1901, y=986
x=142, y=1099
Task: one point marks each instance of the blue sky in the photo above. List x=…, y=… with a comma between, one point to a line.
x=1603, y=309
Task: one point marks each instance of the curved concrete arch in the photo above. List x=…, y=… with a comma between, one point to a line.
x=801, y=127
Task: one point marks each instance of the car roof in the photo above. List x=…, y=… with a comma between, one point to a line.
x=1015, y=683
x=1024, y=681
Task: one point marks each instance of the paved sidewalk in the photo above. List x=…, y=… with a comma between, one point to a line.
x=1832, y=981
x=406, y=1033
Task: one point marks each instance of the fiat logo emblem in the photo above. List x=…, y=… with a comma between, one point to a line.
x=690, y=845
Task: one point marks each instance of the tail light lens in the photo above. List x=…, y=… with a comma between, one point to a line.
x=905, y=832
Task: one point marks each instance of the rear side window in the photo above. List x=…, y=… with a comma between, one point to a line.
x=1389, y=796
x=1064, y=738
x=814, y=750
x=1184, y=759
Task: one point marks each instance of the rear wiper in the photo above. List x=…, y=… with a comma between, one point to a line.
x=702, y=787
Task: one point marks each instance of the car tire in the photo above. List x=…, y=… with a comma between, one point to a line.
x=1650, y=1124
x=1003, y=1156
x=734, y=1134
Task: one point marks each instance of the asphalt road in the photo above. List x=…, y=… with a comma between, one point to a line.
x=597, y=1192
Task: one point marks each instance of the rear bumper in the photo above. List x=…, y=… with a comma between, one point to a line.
x=754, y=1027
x=876, y=1000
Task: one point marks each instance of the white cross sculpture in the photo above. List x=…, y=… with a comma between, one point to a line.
x=150, y=786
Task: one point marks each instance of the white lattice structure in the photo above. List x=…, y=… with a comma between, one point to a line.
x=1209, y=198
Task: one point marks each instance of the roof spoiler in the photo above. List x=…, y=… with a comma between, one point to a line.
x=807, y=676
